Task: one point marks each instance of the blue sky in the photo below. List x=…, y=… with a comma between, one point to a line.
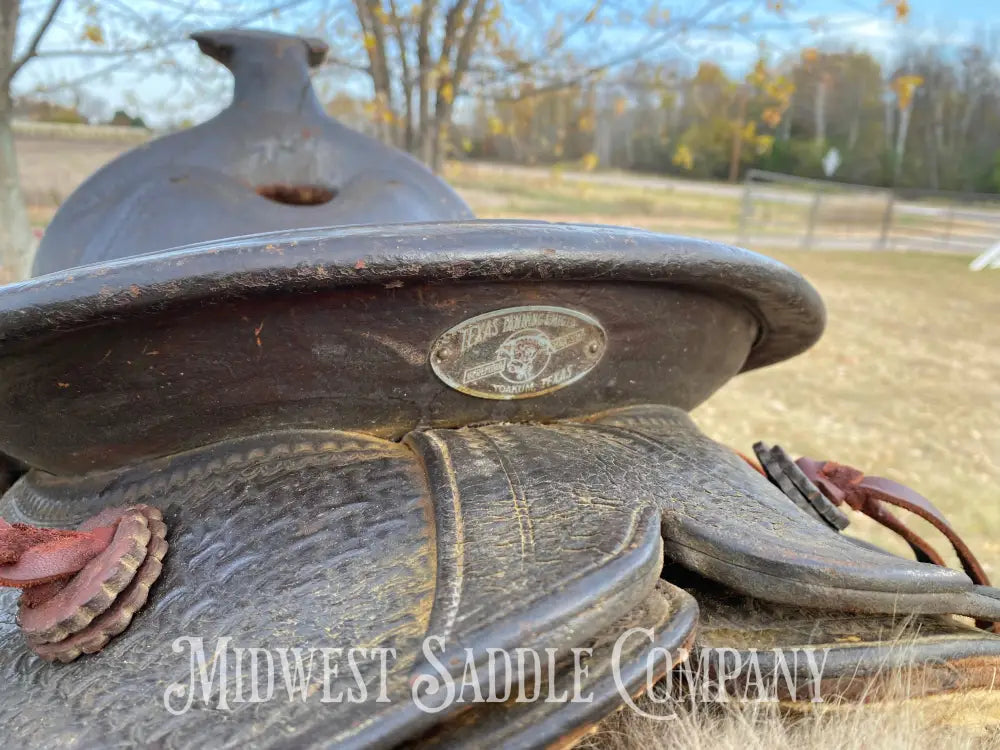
x=862, y=24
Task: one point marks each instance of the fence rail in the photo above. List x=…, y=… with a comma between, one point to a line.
x=781, y=210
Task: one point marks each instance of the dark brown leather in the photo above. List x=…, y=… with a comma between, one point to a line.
x=272, y=160
x=870, y=495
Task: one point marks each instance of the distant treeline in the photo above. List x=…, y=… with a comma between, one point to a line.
x=931, y=121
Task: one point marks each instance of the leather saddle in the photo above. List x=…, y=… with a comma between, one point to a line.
x=447, y=446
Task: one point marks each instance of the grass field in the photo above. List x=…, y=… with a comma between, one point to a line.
x=905, y=383
x=543, y=194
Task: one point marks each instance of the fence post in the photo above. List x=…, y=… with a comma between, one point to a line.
x=883, y=241
x=949, y=226
x=746, y=209
x=813, y=213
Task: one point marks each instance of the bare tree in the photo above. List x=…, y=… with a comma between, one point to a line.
x=16, y=241
x=392, y=40
x=422, y=58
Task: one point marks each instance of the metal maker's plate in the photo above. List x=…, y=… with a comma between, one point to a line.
x=518, y=352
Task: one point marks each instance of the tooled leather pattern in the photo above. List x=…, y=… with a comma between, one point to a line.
x=270, y=549
x=326, y=539
x=336, y=546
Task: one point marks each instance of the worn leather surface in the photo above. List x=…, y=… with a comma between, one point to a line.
x=108, y=365
x=274, y=132
x=326, y=539
x=105, y=395
x=763, y=544
x=499, y=535
x=668, y=612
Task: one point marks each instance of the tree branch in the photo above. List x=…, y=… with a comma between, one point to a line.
x=444, y=105
x=465, y=45
x=404, y=61
x=423, y=76
x=49, y=54
x=630, y=55
x=32, y=49
x=522, y=66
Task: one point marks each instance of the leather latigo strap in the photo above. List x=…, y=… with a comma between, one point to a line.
x=871, y=495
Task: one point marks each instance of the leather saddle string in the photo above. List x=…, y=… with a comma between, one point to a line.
x=41, y=561
x=870, y=495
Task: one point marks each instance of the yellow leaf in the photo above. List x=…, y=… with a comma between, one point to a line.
x=369, y=41
x=901, y=8
x=495, y=126
x=771, y=117
x=683, y=158
x=764, y=144
x=92, y=33
x=590, y=162
x=467, y=145
x=758, y=76
x=493, y=15
x=905, y=87
x=448, y=92
x=809, y=54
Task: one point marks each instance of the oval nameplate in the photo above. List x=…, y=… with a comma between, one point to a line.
x=518, y=352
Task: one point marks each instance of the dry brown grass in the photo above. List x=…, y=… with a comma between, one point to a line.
x=543, y=194
x=51, y=168
x=898, y=712
x=902, y=725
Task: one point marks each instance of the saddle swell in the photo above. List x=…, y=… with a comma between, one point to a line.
x=107, y=365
